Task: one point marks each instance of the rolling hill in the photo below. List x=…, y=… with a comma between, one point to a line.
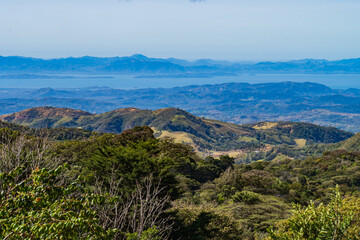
x=57, y=134
x=203, y=134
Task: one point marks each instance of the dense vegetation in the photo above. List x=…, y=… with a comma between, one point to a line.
x=38, y=208
x=60, y=134
x=337, y=220
x=135, y=186
x=119, y=168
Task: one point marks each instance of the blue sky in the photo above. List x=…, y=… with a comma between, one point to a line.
x=218, y=29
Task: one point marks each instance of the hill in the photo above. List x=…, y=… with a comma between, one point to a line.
x=351, y=144
x=203, y=134
x=57, y=134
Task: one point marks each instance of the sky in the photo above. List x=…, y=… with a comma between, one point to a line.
x=241, y=30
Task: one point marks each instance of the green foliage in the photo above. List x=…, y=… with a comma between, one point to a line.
x=219, y=199
x=59, y=133
x=230, y=194
x=351, y=144
x=135, y=154
x=300, y=181
x=323, y=222
x=40, y=208
x=148, y=234
x=289, y=180
x=7, y=135
x=131, y=156
x=312, y=133
x=247, y=197
x=204, y=223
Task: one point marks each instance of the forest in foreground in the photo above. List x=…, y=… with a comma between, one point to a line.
x=68, y=183
x=179, y=120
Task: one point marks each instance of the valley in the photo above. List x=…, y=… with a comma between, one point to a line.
x=239, y=103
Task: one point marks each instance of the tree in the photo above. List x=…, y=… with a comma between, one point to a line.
x=38, y=207
x=140, y=214
x=20, y=150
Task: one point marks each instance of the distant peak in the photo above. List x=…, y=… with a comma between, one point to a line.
x=139, y=56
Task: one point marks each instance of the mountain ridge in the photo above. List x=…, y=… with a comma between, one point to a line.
x=140, y=64
x=175, y=122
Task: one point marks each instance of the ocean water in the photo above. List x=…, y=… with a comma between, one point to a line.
x=337, y=81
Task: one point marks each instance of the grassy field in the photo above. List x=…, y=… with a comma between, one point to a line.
x=265, y=125
x=300, y=142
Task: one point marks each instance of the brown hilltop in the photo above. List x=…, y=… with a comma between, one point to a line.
x=125, y=110
x=29, y=115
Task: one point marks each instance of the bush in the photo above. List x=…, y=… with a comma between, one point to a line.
x=324, y=222
x=40, y=208
x=205, y=223
x=247, y=197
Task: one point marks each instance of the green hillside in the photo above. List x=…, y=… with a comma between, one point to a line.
x=59, y=134
x=203, y=134
x=351, y=144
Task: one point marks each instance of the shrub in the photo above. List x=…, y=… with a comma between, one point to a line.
x=40, y=208
x=205, y=223
x=247, y=197
x=324, y=222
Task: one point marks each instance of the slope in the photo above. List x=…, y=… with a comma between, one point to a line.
x=203, y=134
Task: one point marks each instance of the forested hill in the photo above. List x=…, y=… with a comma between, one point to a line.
x=58, y=134
x=351, y=144
x=201, y=133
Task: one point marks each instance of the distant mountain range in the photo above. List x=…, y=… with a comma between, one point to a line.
x=203, y=134
x=238, y=103
x=140, y=64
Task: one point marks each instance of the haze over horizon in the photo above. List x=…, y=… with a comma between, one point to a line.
x=190, y=60
x=236, y=30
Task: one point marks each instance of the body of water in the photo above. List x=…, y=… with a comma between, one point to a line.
x=337, y=81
